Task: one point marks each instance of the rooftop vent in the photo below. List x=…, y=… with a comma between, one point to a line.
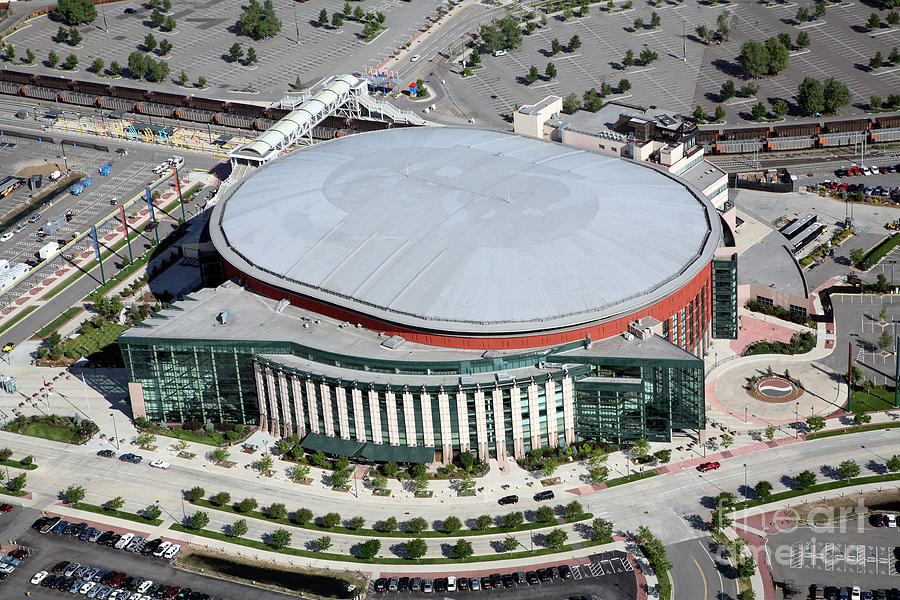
x=223, y=317
x=393, y=341
x=281, y=305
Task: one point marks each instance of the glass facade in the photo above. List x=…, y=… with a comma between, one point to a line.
x=724, y=283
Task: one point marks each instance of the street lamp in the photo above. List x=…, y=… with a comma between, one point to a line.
x=745, y=478
x=115, y=429
x=797, y=419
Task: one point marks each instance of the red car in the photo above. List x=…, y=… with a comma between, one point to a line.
x=6, y=507
x=20, y=553
x=173, y=591
x=843, y=187
x=708, y=466
x=117, y=580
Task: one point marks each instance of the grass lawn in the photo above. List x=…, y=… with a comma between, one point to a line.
x=58, y=322
x=49, y=432
x=119, y=514
x=15, y=464
x=851, y=429
x=213, y=438
x=881, y=398
x=18, y=318
x=100, y=345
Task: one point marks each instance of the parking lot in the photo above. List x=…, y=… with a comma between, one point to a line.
x=865, y=557
x=48, y=550
x=205, y=31
x=608, y=575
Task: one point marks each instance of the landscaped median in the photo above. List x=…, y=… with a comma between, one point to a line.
x=259, y=545
x=819, y=487
x=119, y=514
x=853, y=429
x=308, y=524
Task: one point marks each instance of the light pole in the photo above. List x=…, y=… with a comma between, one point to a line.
x=296, y=24
x=115, y=429
x=797, y=419
x=745, y=478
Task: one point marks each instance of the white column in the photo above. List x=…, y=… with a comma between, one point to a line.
x=550, y=398
x=409, y=419
x=327, y=417
x=446, y=427
x=427, y=422
x=312, y=407
x=515, y=404
x=274, y=417
x=359, y=415
x=499, y=424
x=568, y=410
x=375, y=416
x=261, y=398
x=299, y=420
x=340, y=397
x=288, y=428
x=390, y=402
x=481, y=426
x=462, y=421
x=534, y=411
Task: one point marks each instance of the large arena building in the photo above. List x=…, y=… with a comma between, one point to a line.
x=409, y=294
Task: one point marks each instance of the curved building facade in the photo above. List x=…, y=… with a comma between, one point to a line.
x=419, y=292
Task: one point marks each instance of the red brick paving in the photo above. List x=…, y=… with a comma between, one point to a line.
x=753, y=330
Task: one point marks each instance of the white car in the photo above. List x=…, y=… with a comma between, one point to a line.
x=855, y=593
x=500, y=52
x=451, y=584
x=5, y=568
x=162, y=549
x=890, y=520
x=125, y=539
x=145, y=586
x=866, y=171
x=414, y=58
x=6, y=236
x=173, y=551
x=86, y=587
x=39, y=577
x=160, y=464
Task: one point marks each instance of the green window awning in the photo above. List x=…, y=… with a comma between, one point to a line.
x=367, y=451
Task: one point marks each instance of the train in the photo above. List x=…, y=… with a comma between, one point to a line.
x=801, y=136
x=139, y=101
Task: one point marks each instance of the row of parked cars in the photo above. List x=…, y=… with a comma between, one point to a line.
x=462, y=583
x=109, y=584
x=129, y=542
x=12, y=560
x=851, y=188
x=818, y=592
x=855, y=170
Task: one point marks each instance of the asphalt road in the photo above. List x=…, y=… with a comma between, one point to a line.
x=700, y=571
x=50, y=549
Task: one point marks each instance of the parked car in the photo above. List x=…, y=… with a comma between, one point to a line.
x=545, y=495
x=427, y=586
x=532, y=577
x=474, y=584
x=39, y=577
x=511, y=499
x=381, y=585
x=106, y=453
x=160, y=464
x=162, y=549
x=124, y=541
x=173, y=551
x=708, y=466
x=132, y=458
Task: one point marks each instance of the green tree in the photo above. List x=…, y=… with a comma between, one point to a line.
x=875, y=101
x=655, y=20
x=874, y=21
x=513, y=520
x=62, y=34
x=719, y=520
x=475, y=57
x=356, y=522
x=510, y=543
x=369, y=549
x=820, y=10
x=302, y=516
x=605, y=89
x=848, y=469
x=601, y=529
x=199, y=520
x=347, y=10
x=726, y=500
x=555, y=46
x=201, y=81
x=763, y=489
x=836, y=95
x=358, y=13
x=221, y=499
x=557, y=538
x=780, y=107
x=893, y=18
x=219, y=454
x=29, y=56
x=803, y=40
x=574, y=43
x=323, y=17
x=391, y=469
x=802, y=14
x=811, y=98
x=545, y=514
x=638, y=23
x=532, y=74
x=778, y=55
x=379, y=481
x=73, y=12
x=484, y=521
x=239, y=528
x=805, y=479
x=52, y=58
x=624, y=86
x=592, y=100
x=17, y=483
x=574, y=509
x=331, y=519
x=859, y=416
x=323, y=543
x=389, y=525
x=247, y=504
x=628, y=59
x=169, y=24
x=463, y=549
x=157, y=18
x=115, y=503
x=74, y=37
x=416, y=548
x=758, y=111
x=705, y=34
x=754, y=59
x=725, y=25
x=235, y=52
x=421, y=482
x=816, y=422
x=183, y=79
x=152, y=512
x=149, y=42
x=165, y=47
x=720, y=112
x=893, y=463
x=337, y=19
x=196, y=493
x=648, y=56
x=641, y=449
x=276, y=510
x=280, y=539
x=417, y=525
x=550, y=70
x=700, y=114
x=727, y=91
x=571, y=103
x=877, y=61
x=97, y=65
x=451, y=525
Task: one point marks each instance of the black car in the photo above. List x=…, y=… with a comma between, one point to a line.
x=106, y=453
x=113, y=539
x=77, y=529
x=544, y=574
x=554, y=572
x=486, y=583
x=129, y=11
x=105, y=536
x=402, y=584
x=440, y=584
x=60, y=567
x=183, y=594
x=462, y=583
x=151, y=546
x=532, y=577
x=194, y=596
x=40, y=523
x=496, y=580
x=380, y=584
x=565, y=571
x=545, y=495
x=508, y=580
x=512, y=499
